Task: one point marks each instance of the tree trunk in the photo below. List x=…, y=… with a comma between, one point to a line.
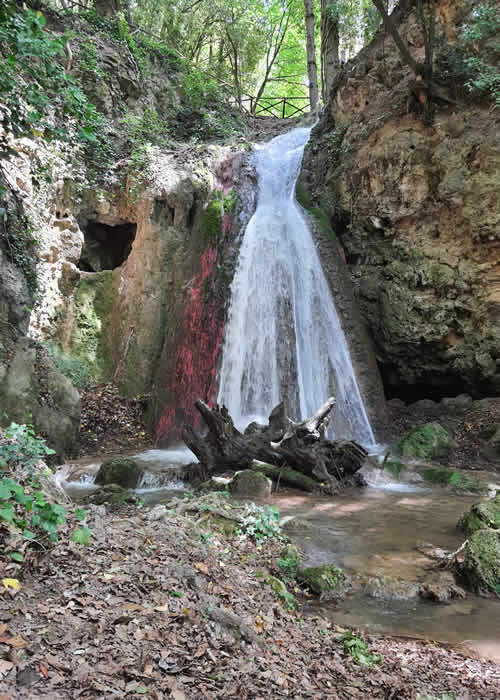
x=281, y=443
x=107, y=8
x=312, y=70
x=329, y=49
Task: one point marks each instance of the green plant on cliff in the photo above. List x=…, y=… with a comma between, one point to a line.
x=76, y=369
x=480, y=40
x=20, y=242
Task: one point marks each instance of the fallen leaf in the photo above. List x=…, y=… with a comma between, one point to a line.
x=17, y=642
x=5, y=666
x=162, y=608
x=201, y=567
x=44, y=671
x=133, y=606
x=11, y=583
x=3, y=628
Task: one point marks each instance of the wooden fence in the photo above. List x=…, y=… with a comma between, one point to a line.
x=276, y=106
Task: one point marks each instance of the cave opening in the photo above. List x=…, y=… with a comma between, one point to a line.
x=105, y=247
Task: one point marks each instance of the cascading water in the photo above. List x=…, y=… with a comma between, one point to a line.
x=284, y=340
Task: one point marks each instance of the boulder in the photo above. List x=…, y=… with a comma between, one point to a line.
x=124, y=472
x=481, y=515
x=250, y=484
x=427, y=441
x=481, y=566
x=325, y=580
x=111, y=493
x=441, y=587
x=389, y=588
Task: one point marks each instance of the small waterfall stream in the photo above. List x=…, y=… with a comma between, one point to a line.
x=284, y=340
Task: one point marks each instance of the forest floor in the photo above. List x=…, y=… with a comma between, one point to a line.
x=159, y=605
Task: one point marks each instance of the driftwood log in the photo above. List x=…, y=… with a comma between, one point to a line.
x=299, y=447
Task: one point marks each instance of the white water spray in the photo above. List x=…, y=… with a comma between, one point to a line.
x=283, y=339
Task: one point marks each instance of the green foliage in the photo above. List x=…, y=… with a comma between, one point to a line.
x=21, y=447
x=21, y=244
x=75, y=369
x=288, y=566
x=218, y=205
x=357, y=647
x=89, y=60
x=34, y=86
x=29, y=511
x=289, y=562
x=261, y=523
x=23, y=506
x=482, y=48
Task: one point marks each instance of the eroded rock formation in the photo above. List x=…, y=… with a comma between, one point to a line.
x=416, y=210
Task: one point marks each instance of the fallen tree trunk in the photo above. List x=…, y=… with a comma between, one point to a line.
x=301, y=446
x=285, y=475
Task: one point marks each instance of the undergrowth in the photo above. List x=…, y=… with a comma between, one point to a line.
x=29, y=518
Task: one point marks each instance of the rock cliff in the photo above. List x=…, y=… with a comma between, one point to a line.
x=416, y=210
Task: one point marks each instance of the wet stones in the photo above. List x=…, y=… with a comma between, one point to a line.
x=250, y=484
x=429, y=441
x=123, y=472
x=481, y=566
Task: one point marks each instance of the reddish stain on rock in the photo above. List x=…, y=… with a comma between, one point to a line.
x=194, y=376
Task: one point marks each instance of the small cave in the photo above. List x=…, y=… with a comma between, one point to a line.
x=105, y=247
x=434, y=386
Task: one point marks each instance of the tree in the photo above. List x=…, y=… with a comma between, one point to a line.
x=329, y=46
x=423, y=88
x=312, y=70
x=107, y=8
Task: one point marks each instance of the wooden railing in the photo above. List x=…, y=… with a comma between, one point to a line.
x=276, y=106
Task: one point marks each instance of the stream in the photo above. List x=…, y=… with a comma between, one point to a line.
x=373, y=530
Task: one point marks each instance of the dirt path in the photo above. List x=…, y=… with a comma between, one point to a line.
x=158, y=606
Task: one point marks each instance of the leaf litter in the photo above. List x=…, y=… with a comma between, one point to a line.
x=102, y=621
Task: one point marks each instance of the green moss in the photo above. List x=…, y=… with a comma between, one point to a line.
x=481, y=515
x=481, y=567
x=321, y=579
x=91, y=343
x=394, y=468
x=302, y=196
x=225, y=526
x=112, y=493
x=425, y=441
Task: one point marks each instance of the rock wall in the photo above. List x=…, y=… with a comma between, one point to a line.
x=416, y=210
x=118, y=260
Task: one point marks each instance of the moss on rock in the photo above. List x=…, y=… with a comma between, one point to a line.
x=90, y=341
x=124, y=472
x=250, y=484
x=321, y=579
x=425, y=441
x=113, y=494
x=481, y=515
x=481, y=567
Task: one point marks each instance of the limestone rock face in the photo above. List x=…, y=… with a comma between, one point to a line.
x=416, y=210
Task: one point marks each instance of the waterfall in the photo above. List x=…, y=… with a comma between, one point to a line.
x=284, y=340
